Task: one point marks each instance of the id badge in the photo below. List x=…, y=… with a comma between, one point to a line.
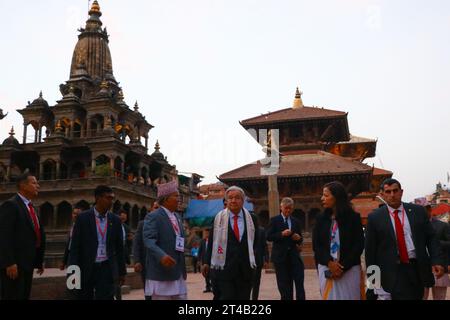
x=179, y=244
x=102, y=251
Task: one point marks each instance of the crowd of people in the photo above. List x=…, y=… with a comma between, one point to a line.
x=402, y=241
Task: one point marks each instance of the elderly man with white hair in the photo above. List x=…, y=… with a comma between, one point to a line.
x=231, y=253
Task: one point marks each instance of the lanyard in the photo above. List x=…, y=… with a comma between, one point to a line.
x=102, y=232
x=333, y=230
x=174, y=226
x=403, y=216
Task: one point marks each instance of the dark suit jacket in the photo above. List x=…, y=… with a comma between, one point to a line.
x=351, y=238
x=138, y=244
x=381, y=244
x=17, y=236
x=83, y=250
x=442, y=230
x=67, y=249
x=202, y=251
x=262, y=250
x=283, y=246
x=237, y=260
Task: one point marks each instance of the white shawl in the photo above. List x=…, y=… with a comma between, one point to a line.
x=220, y=239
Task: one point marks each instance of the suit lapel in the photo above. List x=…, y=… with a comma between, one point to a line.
x=25, y=212
x=388, y=224
x=93, y=226
x=109, y=229
x=168, y=222
x=411, y=219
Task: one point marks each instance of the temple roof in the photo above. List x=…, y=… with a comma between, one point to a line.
x=316, y=163
x=381, y=172
x=355, y=139
x=291, y=115
x=91, y=56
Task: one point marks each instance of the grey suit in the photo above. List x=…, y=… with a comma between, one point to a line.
x=159, y=239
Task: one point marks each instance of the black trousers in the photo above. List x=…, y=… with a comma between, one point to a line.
x=290, y=272
x=408, y=285
x=18, y=289
x=256, y=283
x=100, y=285
x=234, y=289
x=208, y=282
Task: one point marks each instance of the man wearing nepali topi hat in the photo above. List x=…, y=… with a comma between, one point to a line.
x=164, y=241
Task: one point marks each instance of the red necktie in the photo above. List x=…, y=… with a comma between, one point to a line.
x=37, y=230
x=401, y=243
x=236, y=227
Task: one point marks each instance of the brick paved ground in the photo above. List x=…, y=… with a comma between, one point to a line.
x=268, y=290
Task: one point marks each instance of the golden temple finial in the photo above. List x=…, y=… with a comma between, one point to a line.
x=11, y=133
x=136, y=107
x=40, y=94
x=157, y=146
x=298, y=102
x=95, y=8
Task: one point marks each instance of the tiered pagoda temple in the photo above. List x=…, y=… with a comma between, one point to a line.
x=90, y=137
x=315, y=147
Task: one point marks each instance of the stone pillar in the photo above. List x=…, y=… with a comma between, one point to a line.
x=273, y=196
x=36, y=135
x=25, y=133
x=93, y=163
x=122, y=169
x=58, y=169
x=111, y=163
x=41, y=171
x=307, y=221
x=8, y=172
x=40, y=134
x=146, y=143
x=88, y=129
x=55, y=217
x=67, y=132
x=82, y=133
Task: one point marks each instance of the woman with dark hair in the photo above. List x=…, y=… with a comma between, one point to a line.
x=338, y=242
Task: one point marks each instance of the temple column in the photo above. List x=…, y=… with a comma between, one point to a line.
x=36, y=131
x=82, y=133
x=111, y=164
x=40, y=134
x=88, y=129
x=146, y=143
x=55, y=217
x=307, y=221
x=122, y=169
x=93, y=163
x=25, y=133
x=41, y=171
x=8, y=172
x=58, y=169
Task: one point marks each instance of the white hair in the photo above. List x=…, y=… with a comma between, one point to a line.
x=234, y=188
x=287, y=202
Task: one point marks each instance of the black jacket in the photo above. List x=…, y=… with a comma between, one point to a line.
x=282, y=246
x=442, y=230
x=17, y=236
x=351, y=238
x=381, y=244
x=83, y=249
x=139, y=252
x=237, y=260
x=262, y=250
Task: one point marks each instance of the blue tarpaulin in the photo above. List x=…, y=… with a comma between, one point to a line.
x=202, y=212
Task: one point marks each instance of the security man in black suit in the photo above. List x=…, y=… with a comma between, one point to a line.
x=400, y=240
x=22, y=241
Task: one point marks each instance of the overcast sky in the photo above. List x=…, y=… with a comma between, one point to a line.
x=199, y=67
